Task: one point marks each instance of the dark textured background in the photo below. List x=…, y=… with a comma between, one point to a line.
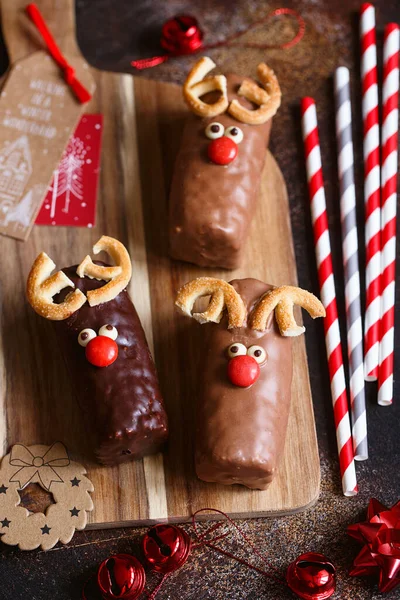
x=113, y=32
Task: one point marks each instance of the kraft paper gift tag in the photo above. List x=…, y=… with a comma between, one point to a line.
x=38, y=113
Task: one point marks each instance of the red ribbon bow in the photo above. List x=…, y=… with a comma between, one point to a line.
x=79, y=90
x=380, y=554
x=182, y=35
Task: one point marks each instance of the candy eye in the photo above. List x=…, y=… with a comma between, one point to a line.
x=258, y=353
x=236, y=350
x=214, y=131
x=109, y=331
x=234, y=133
x=85, y=336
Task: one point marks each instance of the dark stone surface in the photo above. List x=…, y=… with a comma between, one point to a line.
x=109, y=38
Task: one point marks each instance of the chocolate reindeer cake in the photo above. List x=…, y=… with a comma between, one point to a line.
x=105, y=350
x=219, y=165
x=244, y=402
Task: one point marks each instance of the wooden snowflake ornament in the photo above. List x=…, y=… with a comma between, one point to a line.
x=52, y=469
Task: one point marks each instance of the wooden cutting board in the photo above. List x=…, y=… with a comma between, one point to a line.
x=142, y=126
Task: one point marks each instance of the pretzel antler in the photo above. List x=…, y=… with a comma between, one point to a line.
x=42, y=286
x=223, y=294
x=118, y=277
x=282, y=300
x=268, y=99
x=196, y=85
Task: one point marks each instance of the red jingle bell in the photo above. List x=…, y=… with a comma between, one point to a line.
x=312, y=577
x=181, y=34
x=121, y=576
x=166, y=548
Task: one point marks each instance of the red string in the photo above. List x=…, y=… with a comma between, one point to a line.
x=182, y=35
x=278, y=578
x=69, y=72
x=158, y=587
x=215, y=539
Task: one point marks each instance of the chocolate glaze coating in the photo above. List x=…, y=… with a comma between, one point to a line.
x=121, y=403
x=241, y=431
x=211, y=206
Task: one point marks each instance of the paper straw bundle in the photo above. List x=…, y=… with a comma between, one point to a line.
x=380, y=198
x=350, y=262
x=390, y=117
x=328, y=296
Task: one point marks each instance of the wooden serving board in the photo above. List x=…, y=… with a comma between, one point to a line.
x=142, y=126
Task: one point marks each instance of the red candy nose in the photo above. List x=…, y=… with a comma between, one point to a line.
x=222, y=151
x=101, y=351
x=243, y=370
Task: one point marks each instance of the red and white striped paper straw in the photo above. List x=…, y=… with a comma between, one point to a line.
x=348, y=217
x=370, y=112
x=390, y=101
x=328, y=295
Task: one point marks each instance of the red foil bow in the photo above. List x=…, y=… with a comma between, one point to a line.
x=182, y=35
x=380, y=536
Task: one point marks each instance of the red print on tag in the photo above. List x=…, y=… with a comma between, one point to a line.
x=71, y=197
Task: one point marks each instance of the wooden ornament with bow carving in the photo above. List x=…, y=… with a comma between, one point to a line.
x=52, y=469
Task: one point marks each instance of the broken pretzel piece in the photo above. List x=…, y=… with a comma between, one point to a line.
x=268, y=99
x=222, y=295
x=117, y=276
x=42, y=287
x=196, y=86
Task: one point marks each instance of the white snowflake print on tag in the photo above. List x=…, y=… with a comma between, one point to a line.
x=71, y=198
x=15, y=171
x=18, y=202
x=68, y=177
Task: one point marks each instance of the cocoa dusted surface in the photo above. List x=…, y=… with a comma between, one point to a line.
x=121, y=403
x=108, y=35
x=246, y=447
x=212, y=206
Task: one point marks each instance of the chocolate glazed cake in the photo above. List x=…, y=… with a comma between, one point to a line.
x=244, y=403
x=122, y=402
x=218, y=169
x=245, y=447
x=106, y=353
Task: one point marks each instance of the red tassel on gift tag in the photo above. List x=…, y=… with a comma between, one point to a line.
x=69, y=72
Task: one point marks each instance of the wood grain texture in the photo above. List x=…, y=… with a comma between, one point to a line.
x=108, y=33
x=142, y=125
